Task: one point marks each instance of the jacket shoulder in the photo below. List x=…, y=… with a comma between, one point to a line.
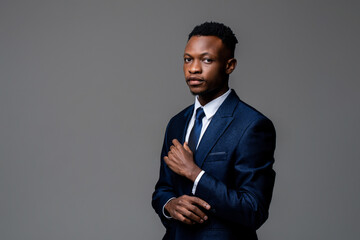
x=249, y=115
x=182, y=115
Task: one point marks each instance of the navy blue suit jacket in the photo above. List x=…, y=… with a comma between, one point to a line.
x=236, y=153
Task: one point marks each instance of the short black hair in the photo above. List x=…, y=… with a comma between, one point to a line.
x=218, y=30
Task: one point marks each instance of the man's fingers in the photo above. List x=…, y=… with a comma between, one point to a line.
x=176, y=143
x=177, y=210
x=183, y=219
x=189, y=211
x=187, y=148
x=189, y=207
x=201, y=203
x=199, y=213
x=172, y=148
x=167, y=160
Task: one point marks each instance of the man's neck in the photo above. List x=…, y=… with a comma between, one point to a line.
x=208, y=97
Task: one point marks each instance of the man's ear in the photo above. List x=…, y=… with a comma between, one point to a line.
x=230, y=65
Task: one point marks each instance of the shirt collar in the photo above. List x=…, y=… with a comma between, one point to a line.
x=211, y=107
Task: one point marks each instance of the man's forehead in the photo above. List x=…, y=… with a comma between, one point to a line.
x=203, y=44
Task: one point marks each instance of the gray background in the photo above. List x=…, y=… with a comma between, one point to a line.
x=87, y=88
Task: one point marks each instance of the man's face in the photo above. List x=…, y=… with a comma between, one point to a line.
x=205, y=66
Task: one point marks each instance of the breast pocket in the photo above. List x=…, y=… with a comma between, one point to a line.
x=216, y=156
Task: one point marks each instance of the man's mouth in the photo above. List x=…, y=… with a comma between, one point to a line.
x=193, y=81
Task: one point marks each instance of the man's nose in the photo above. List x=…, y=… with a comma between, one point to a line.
x=195, y=67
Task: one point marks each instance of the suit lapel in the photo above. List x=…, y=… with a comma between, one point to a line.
x=221, y=120
x=187, y=117
x=178, y=131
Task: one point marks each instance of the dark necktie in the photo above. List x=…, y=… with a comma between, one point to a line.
x=196, y=130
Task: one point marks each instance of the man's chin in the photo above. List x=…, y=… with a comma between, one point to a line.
x=194, y=92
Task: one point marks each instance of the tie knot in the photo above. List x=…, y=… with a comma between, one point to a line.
x=200, y=113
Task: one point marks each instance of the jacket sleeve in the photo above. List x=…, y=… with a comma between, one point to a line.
x=164, y=186
x=248, y=202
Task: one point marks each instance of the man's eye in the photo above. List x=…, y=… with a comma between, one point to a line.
x=208, y=60
x=187, y=60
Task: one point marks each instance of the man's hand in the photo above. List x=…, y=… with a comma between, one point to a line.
x=186, y=209
x=181, y=161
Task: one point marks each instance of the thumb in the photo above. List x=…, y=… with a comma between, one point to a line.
x=187, y=148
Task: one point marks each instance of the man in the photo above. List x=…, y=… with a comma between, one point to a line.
x=216, y=177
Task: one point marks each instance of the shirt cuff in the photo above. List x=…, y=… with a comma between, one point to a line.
x=163, y=209
x=197, y=179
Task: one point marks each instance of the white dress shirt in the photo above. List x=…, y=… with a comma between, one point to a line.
x=209, y=109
